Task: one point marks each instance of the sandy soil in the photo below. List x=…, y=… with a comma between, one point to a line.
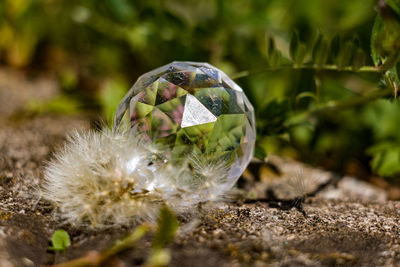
x=350, y=225
x=334, y=232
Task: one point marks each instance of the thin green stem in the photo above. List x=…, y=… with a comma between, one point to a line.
x=95, y=258
x=351, y=103
x=336, y=106
x=306, y=66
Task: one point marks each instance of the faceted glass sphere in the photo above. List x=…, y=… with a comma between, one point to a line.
x=192, y=109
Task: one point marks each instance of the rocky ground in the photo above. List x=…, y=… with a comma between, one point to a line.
x=350, y=224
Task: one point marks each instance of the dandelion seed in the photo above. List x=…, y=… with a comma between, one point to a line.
x=127, y=190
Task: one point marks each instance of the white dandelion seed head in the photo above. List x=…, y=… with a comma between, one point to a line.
x=105, y=179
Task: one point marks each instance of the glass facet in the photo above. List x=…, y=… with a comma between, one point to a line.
x=192, y=109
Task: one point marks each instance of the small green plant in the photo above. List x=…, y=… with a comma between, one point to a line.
x=165, y=231
x=167, y=225
x=60, y=241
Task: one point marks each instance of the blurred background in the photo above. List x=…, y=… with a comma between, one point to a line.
x=93, y=51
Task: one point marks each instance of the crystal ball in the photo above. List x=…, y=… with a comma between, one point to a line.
x=192, y=109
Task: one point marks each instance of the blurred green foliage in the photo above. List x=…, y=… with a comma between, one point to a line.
x=305, y=56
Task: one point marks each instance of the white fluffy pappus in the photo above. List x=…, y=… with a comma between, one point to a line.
x=105, y=179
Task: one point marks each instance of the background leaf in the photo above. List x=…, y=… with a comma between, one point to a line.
x=320, y=52
x=376, y=30
x=385, y=158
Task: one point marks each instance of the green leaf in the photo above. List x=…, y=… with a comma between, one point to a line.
x=120, y=9
x=385, y=158
x=276, y=59
x=359, y=59
x=385, y=36
x=376, y=29
x=395, y=6
x=300, y=54
x=166, y=228
x=344, y=55
x=294, y=43
x=260, y=153
x=273, y=55
x=392, y=79
x=297, y=49
x=271, y=46
x=60, y=240
x=272, y=117
x=320, y=52
x=335, y=47
x=302, y=133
